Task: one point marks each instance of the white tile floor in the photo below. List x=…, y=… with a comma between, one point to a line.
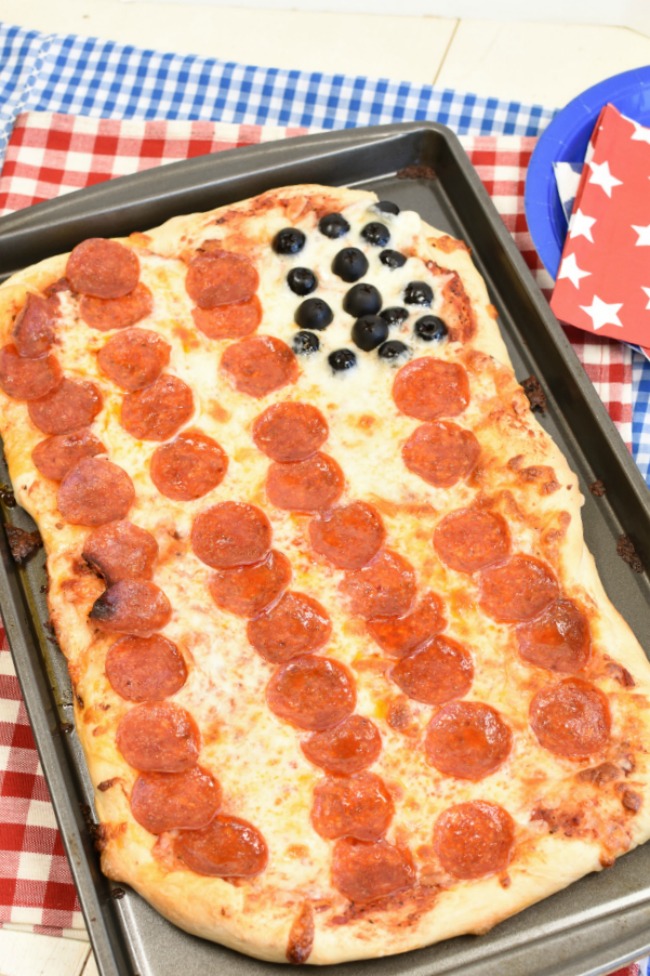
x=533, y=62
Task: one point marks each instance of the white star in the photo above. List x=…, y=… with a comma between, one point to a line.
x=580, y=225
x=644, y=235
x=569, y=269
x=602, y=314
x=641, y=133
x=602, y=176
x=647, y=295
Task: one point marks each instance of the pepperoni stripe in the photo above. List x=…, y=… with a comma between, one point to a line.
x=365, y=872
x=220, y=278
x=383, y=588
x=472, y=539
x=27, y=379
x=305, y=486
x=348, y=747
x=121, y=550
x=57, y=455
x=248, y=590
x=102, y=268
x=428, y=388
x=297, y=625
x=158, y=411
x=558, y=639
x=357, y=806
x=145, y=668
x=227, y=848
x=398, y=636
x=229, y=321
x=105, y=314
x=231, y=534
x=95, y=491
x=473, y=840
x=290, y=431
x=439, y=670
x=571, y=719
x=74, y=404
x=35, y=327
x=468, y=740
x=518, y=590
x=131, y=607
x=312, y=693
x=188, y=467
x=158, y=737
x=441, y=453
x=350, y=536
x=186, y=800
x=259, y=364
x=133, y=359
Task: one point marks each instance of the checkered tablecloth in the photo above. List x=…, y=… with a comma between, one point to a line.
x=54, y=91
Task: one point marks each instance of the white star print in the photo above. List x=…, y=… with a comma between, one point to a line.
x=603, y=177
x=641, y=133
x=644, y=235
x=602, y=314
x=647, y=295
x=580, y=225
x=569, y=269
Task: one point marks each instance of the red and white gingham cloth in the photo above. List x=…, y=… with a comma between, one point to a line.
x=49, y=155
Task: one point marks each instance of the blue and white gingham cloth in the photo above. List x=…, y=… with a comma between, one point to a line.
x=86, y=76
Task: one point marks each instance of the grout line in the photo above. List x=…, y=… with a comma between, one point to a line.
x=441, y=63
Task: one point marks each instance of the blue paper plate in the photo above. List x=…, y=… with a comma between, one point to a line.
x=566, y=139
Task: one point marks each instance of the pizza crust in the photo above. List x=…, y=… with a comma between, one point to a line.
x=565, y=826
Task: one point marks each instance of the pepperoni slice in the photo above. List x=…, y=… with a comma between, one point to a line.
x=95, y=491
x=188, y=467
x=471, y=539
x=305, y=486
x=558, y=639
x=159, y=411
x=158, y=737
x=365, y=872
x=27, y=379
x=133, y=359
x=170, y=801
x=102, y=268
x=296, y=625
x=518, y=590
x=145, y=668
x=352, y=806
x=290, y=431
x=121, y=550
x=398, y=636
x=439, y=670
x=131, y=607
x=74, y=404
x=260, y=364
x=248, y=590
x=474, y=839
x=349, y=536
x=231, y=534
x=571, y=719
x=57, y=455
x=34, y=329
x=229, y=321
x=105, y=314
x=227, y=848
x=441, y=453
x=428, y=388
x=312, y=693
x=383, y=588
x=347, y=748
x=220, y=278
x=468, y=740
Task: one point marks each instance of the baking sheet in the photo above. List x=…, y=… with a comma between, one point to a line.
x=598, y=923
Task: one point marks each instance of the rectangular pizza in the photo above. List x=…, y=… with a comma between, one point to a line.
x=345, y=675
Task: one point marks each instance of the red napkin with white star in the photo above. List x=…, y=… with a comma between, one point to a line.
x=603, y=282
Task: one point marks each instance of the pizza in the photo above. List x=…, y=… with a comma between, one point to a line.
x=345, y=675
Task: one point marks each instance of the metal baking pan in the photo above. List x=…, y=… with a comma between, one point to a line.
x=595, y=925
